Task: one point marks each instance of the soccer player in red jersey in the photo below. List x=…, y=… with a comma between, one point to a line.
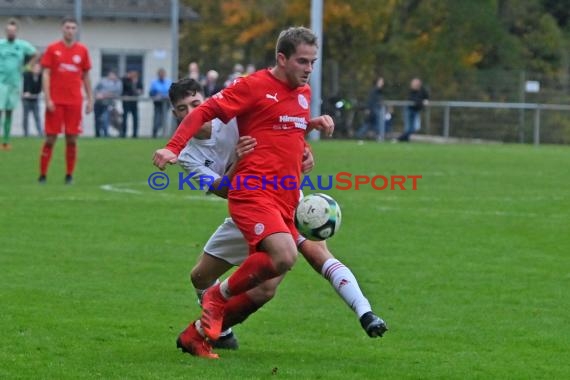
x=66, y=66
x=271, y=106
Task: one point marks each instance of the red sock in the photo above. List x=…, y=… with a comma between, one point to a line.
x=45, y=158
x=238, y=309
x=257, y=268
x=70, y=157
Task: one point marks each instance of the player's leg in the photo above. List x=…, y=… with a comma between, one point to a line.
x=53, y=123
x=7, y=129
x=225, y=248
x=193, y=339
x=206, y=272
x=9, y=98
x=277, y=255
x=70, y=157
x=344, y=283
x=72, y=122
x=239, y=308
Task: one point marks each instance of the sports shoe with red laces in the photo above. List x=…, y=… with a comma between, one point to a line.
x=191, y=342
x=213, y=304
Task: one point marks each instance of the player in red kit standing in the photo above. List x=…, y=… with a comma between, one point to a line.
x=66, y=66
x=271, y=106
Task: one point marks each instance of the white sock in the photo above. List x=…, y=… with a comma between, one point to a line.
x=198, y=325
x=224, y=290
x=345, y=284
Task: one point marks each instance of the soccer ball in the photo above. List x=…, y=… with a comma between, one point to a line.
x=317, y=217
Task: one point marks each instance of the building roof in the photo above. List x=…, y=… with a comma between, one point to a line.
x=96, y=9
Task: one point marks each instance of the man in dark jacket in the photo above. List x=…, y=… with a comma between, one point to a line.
x=412, y=121
x=374, y=112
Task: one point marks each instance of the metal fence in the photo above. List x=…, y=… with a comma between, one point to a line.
x=145, y=111
x=493, y=121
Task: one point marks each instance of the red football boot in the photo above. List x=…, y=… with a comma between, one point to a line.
x=190, y=341
x=213, y=304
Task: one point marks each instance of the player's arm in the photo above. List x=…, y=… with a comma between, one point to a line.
x=245, y=146
x=33, y=59
x=308, y=160
x=323, y=123
x=45, y=86
x=187, y=129
x=225, y=105
x=88, y=91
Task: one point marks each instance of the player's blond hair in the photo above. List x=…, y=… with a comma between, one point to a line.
x=289, y=39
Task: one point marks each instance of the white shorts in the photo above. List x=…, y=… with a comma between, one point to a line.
x=227, y=243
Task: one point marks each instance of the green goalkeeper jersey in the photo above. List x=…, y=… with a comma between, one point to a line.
x=12, y=57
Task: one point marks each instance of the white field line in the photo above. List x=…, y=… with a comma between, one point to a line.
x=125, y=188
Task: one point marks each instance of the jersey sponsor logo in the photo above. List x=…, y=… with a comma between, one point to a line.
x=57, y=52
x=303, y=101
x=68, y=67
x=272, y=97
x=298, y=122
x=76, y=59
x=259, y=228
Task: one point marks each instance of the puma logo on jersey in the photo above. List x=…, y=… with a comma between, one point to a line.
x=208, y=163
x=274, y=97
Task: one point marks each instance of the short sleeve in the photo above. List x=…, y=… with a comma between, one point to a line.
x=234, y=100
x=29, y=49
x=46, y=60
x=86, y=61
x=199, y=170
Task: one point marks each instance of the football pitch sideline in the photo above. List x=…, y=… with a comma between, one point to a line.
x=471, y=270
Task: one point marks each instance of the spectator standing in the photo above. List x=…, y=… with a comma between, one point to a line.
x=132, y=88
x=237, y=72
x=419, y=97
x=374, y=112
x=211, y=86
x=107, y=91
x=159, y=93
x=30, y=97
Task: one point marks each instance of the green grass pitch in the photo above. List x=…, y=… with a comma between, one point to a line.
x=471, y=271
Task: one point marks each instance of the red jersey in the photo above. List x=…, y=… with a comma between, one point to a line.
x=67, y=65
x=277, y=116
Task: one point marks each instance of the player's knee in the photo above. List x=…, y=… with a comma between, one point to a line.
x=201, y=279
x=285, y=261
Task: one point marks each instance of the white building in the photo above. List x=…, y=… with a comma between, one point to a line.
x=120, y=34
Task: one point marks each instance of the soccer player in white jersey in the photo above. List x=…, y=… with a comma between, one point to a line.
x=214, y=152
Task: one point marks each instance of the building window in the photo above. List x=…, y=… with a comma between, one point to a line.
x=121, y=63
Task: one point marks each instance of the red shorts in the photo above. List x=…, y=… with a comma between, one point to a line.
x=65, y=118
x=258, y=218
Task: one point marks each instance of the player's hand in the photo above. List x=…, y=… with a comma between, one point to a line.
x=162, y=157
x=50, y=106
x=323, y=123
x=245, y=146
x=308, y=161
x=89, y=107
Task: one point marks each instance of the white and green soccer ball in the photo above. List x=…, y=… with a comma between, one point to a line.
x=317, y=217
